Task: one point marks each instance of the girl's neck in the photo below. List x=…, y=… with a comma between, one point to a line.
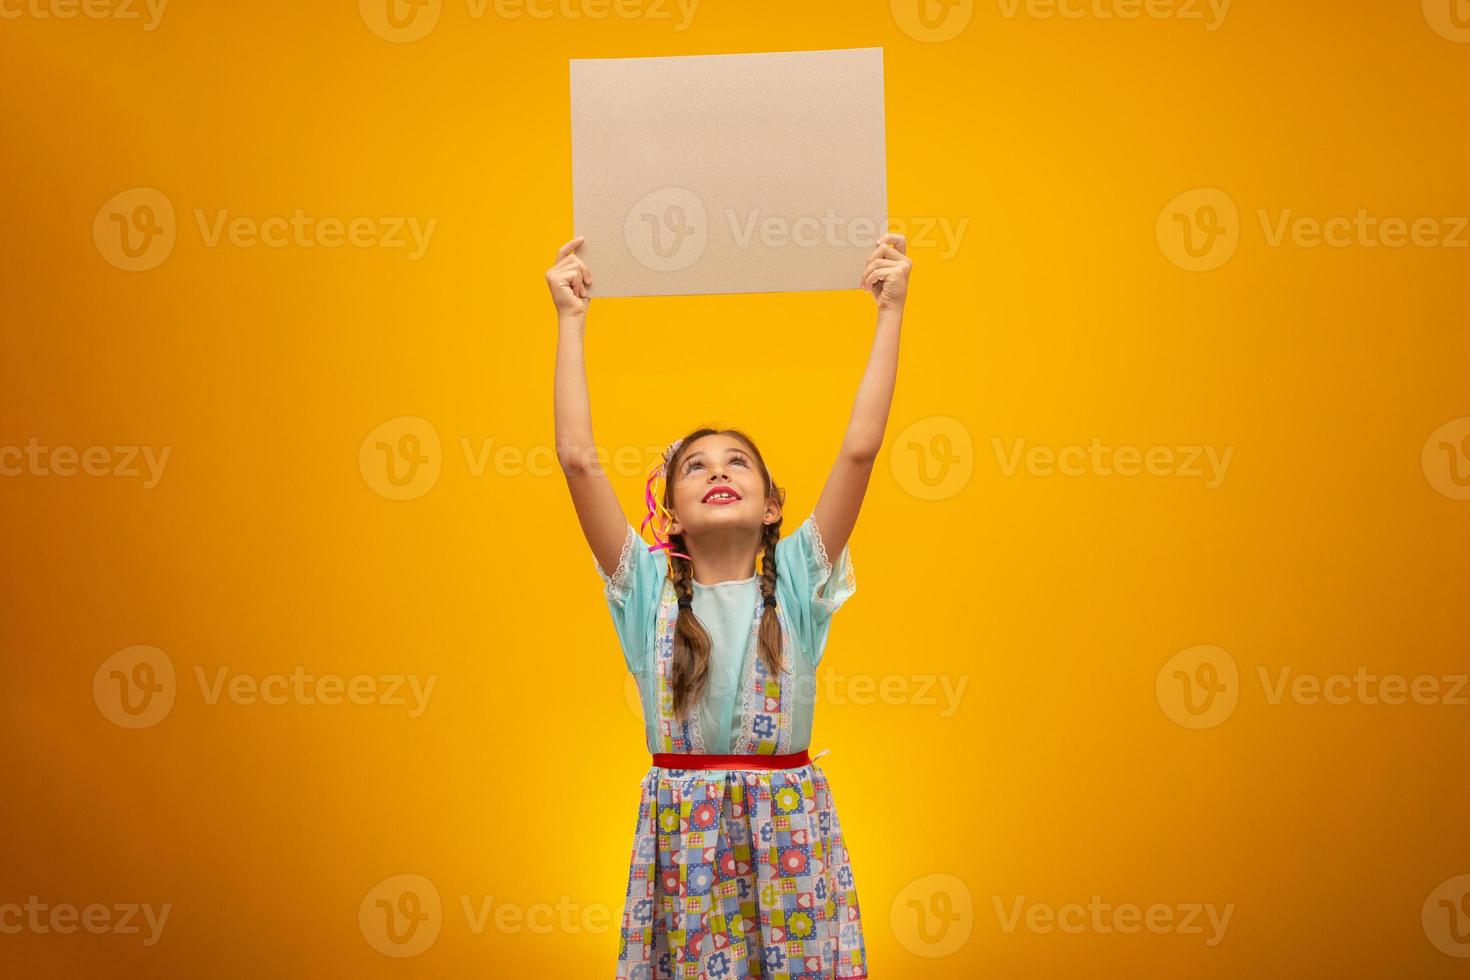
x=724, y=559
x=736, y=581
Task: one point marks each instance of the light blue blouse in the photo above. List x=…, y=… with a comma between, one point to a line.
x=809, y=589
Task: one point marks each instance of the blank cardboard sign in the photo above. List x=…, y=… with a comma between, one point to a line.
x=741, y=173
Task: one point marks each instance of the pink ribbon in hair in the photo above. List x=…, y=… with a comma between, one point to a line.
x=656, y=507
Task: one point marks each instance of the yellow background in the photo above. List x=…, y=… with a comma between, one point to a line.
x=1057, y=600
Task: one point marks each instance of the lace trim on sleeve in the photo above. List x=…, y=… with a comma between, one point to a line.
x=820, y=548
x=825, y=581
x=617, y=583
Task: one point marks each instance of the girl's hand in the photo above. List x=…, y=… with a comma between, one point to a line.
x=569, y=280
x=887, y=274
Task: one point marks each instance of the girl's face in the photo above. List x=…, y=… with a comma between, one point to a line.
x=719, y=484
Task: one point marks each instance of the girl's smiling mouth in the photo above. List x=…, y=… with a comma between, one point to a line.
x=720, y=494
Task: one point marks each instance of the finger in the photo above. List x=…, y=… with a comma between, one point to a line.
x=572, y=267
x=876, y=264
x=900, y=242
x=569, y=247
x=878, y=275
x=571, y=277
x=885, y=252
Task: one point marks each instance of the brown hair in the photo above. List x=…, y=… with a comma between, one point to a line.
x=689, y=673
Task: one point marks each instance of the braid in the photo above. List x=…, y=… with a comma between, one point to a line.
x=770, y=628
x=689, y=673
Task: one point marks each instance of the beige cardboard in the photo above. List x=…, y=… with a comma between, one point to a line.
x=740, y=173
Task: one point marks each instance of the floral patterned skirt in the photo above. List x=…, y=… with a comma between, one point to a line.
x=740, y=874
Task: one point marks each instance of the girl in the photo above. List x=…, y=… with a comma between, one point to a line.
x=739, y=869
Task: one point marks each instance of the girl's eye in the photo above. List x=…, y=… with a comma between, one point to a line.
x=734, y=459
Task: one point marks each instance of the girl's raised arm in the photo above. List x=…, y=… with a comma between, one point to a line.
x=603, y=523
x=887, y=278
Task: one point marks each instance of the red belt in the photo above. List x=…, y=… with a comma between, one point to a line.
x=677, y=760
